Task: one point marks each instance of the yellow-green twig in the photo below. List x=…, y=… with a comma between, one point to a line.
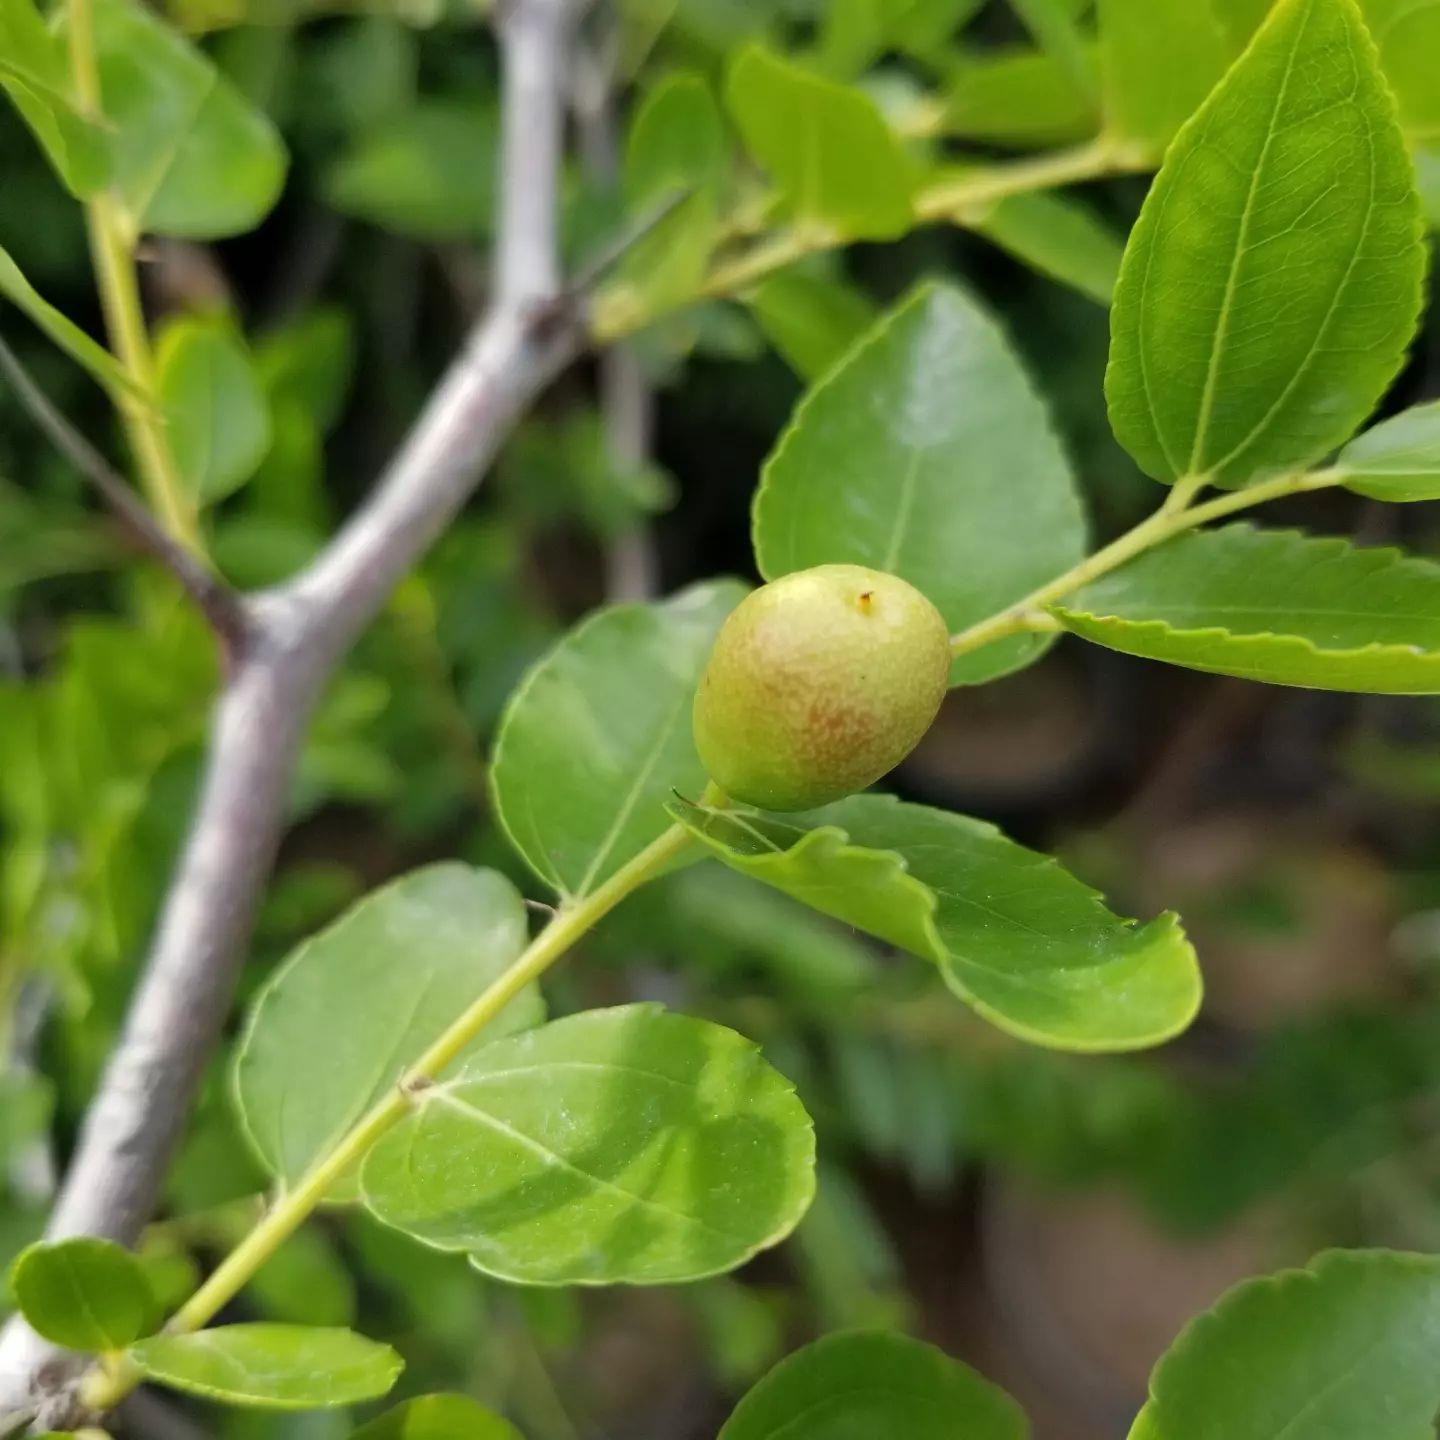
x=963, y=199
x=103, y=1390
x=1178, y=514
x=112, y=249
x=973, y=192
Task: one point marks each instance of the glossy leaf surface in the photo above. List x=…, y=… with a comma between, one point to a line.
x=84, y=1294
x=1276, y=606
x=597, y=736
x=1407, y=35
x=1398, y=459
x=834, y=159
x=1271, y=284
x=862, y=1384
x=272, y=1367
x=624, y=1146
x=342, y=1018
x=1342, y=1350
x=927, y=454
x=1027, y=944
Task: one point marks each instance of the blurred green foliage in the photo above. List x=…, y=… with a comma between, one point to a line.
x=328, y=324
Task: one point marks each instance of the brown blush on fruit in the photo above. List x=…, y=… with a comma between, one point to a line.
x=820, y=683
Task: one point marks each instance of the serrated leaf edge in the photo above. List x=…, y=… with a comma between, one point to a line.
x=1261, y=1289
x=1200, y=117
x=835, y=839
x=1383, y=557
x=918, y=296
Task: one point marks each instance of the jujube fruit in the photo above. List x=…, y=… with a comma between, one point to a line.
x=819, y=683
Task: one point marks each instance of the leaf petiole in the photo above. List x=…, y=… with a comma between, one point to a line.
x=104, y=1389
x=959, y=200
x=1178, y=514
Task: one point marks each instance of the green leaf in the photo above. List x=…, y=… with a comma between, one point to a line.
x=597, y=736
x=856, y=33
x=1053, y=25
x=1020, y=98
x=84, y=1294
x=676, y=141
x=272, y=1367
x=1408, y=37
x=1144, y=1426
x=216, y=410
x=838, y=166
x=929, y=455
x=86, y=352
x=1273, y=605
x=923, y=28
x=428, y=174
x=305, y=1282
x=1427, y=178
x=1398, y=459
x=1271, y=284
x=1240, y=19
x=438, y=1417
x=624, y=1146
x=853, y=35
x=35, y=73
x=1342, y=1350
x=811, y=321
x=863, y=1384
x=190, y=155
x=1059, y=237
x=309, y=362
x=676, y=145
x=1159, y=61
x=338, y=1023
x=1016, y=936
x=27, y=1100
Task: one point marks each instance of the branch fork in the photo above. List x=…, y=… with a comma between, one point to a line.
x=283, y=645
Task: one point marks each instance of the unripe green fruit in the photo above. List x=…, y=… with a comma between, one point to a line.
x=820, y=683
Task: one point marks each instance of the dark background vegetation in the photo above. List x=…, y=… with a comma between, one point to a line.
x=1052, y=1219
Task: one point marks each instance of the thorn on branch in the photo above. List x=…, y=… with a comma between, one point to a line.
x=221, y=606
x=610, y=255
